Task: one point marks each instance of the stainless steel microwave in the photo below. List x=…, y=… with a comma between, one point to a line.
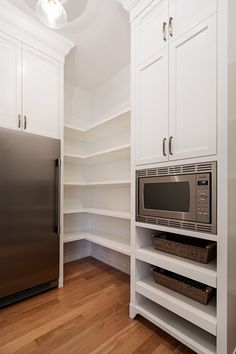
x=178, y=196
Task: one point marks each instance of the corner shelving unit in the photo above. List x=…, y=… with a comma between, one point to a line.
x=97, y=183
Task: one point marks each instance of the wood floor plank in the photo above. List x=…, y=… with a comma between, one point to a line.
x=88, y=316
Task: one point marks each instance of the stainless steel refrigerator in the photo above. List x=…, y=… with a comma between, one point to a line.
x=29, y=214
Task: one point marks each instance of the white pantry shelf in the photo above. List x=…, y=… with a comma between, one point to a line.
x=204, y=273
x=98, y=183
x=105, y=240
x=203, y=316
x=72, y=236
x=113, y=153
x=189, y=233
x=184, y=331
x=103, y=212
x=73, y=130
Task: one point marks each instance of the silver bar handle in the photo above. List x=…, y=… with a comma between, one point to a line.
x=164, y=31
x=25, y=122
x=58, y=195
x=19, y=121
x=170, y=145
x=171, y=26
x=164, y=146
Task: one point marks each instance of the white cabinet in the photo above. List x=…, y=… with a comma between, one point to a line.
x=176, y=83
x=152, y=109
x=192, y=93
x=10, y=82
x=152, y=31
x=185, y=14
x=29, y=88
x=40, y=93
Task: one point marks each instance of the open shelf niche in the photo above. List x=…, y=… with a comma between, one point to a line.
x=190, y=322
x=97, y=172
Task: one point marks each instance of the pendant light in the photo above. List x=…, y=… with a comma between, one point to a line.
x=51, y=13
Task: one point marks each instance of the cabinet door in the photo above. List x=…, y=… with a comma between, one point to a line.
x=193, y=92
x=185, y=14
x=151, y=109
x=152, y=31
x=10, y=82
x=40, y=93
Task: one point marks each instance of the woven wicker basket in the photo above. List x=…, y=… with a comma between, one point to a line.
x=196, y=250
x=184, y=286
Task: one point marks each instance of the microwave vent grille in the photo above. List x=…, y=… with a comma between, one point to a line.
x=162, y=171
x=174, y=170
x=162, y=222
x=141, y=218
x=189, y=169
x=151, y=220
x=177, y=170
x=142, y=173
x=175, y=224
x=152, y=172
x=204, y=228
x=204, y=167
x=188, y=226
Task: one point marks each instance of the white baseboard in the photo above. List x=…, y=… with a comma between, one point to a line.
x=132, y=311
x=81, y=249
x=114, y=259
x=76, y=250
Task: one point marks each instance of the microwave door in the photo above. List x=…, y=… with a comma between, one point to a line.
x=172, y=197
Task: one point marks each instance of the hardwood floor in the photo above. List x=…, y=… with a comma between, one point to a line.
x=89, y=315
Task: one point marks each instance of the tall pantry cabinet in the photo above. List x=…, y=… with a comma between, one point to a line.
x=183, y=113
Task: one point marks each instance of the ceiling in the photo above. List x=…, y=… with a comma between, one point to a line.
x=101, y=32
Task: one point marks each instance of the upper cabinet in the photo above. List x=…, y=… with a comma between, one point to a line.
x=175, y=88
x=29, y=85
x=10, y=82
x=152, y=31
x=40, y=93
x=185, y=14
x=193, y=92
x=152, y=109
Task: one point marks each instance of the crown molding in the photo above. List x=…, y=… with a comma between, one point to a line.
x=134, y=7
x=128, y=5
x=17, y=24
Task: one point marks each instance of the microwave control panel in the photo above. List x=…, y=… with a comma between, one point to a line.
x=203, y=182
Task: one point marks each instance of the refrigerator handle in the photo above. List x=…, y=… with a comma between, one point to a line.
x=58, y=195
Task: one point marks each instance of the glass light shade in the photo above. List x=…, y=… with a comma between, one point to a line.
x=51, y=13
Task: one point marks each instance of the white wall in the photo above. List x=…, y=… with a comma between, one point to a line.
x=83, y=108
x=111, y=97
x=77, y=106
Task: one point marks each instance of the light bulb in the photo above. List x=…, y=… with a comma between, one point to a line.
x=51, y=13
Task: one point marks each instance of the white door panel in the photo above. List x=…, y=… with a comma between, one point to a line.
x=150, y=35
x=152, y=109
x=10, y=82
x=186, y=14
x=193, y=92
x=40, y=93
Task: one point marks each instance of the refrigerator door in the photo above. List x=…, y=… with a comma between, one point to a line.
x=29, y=187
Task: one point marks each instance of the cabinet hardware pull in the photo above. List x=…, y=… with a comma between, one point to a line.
x=170, y=26
x=25, y=122
x=164, y=146
x=19, y=121
x=164, y=31
x=170, y=145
